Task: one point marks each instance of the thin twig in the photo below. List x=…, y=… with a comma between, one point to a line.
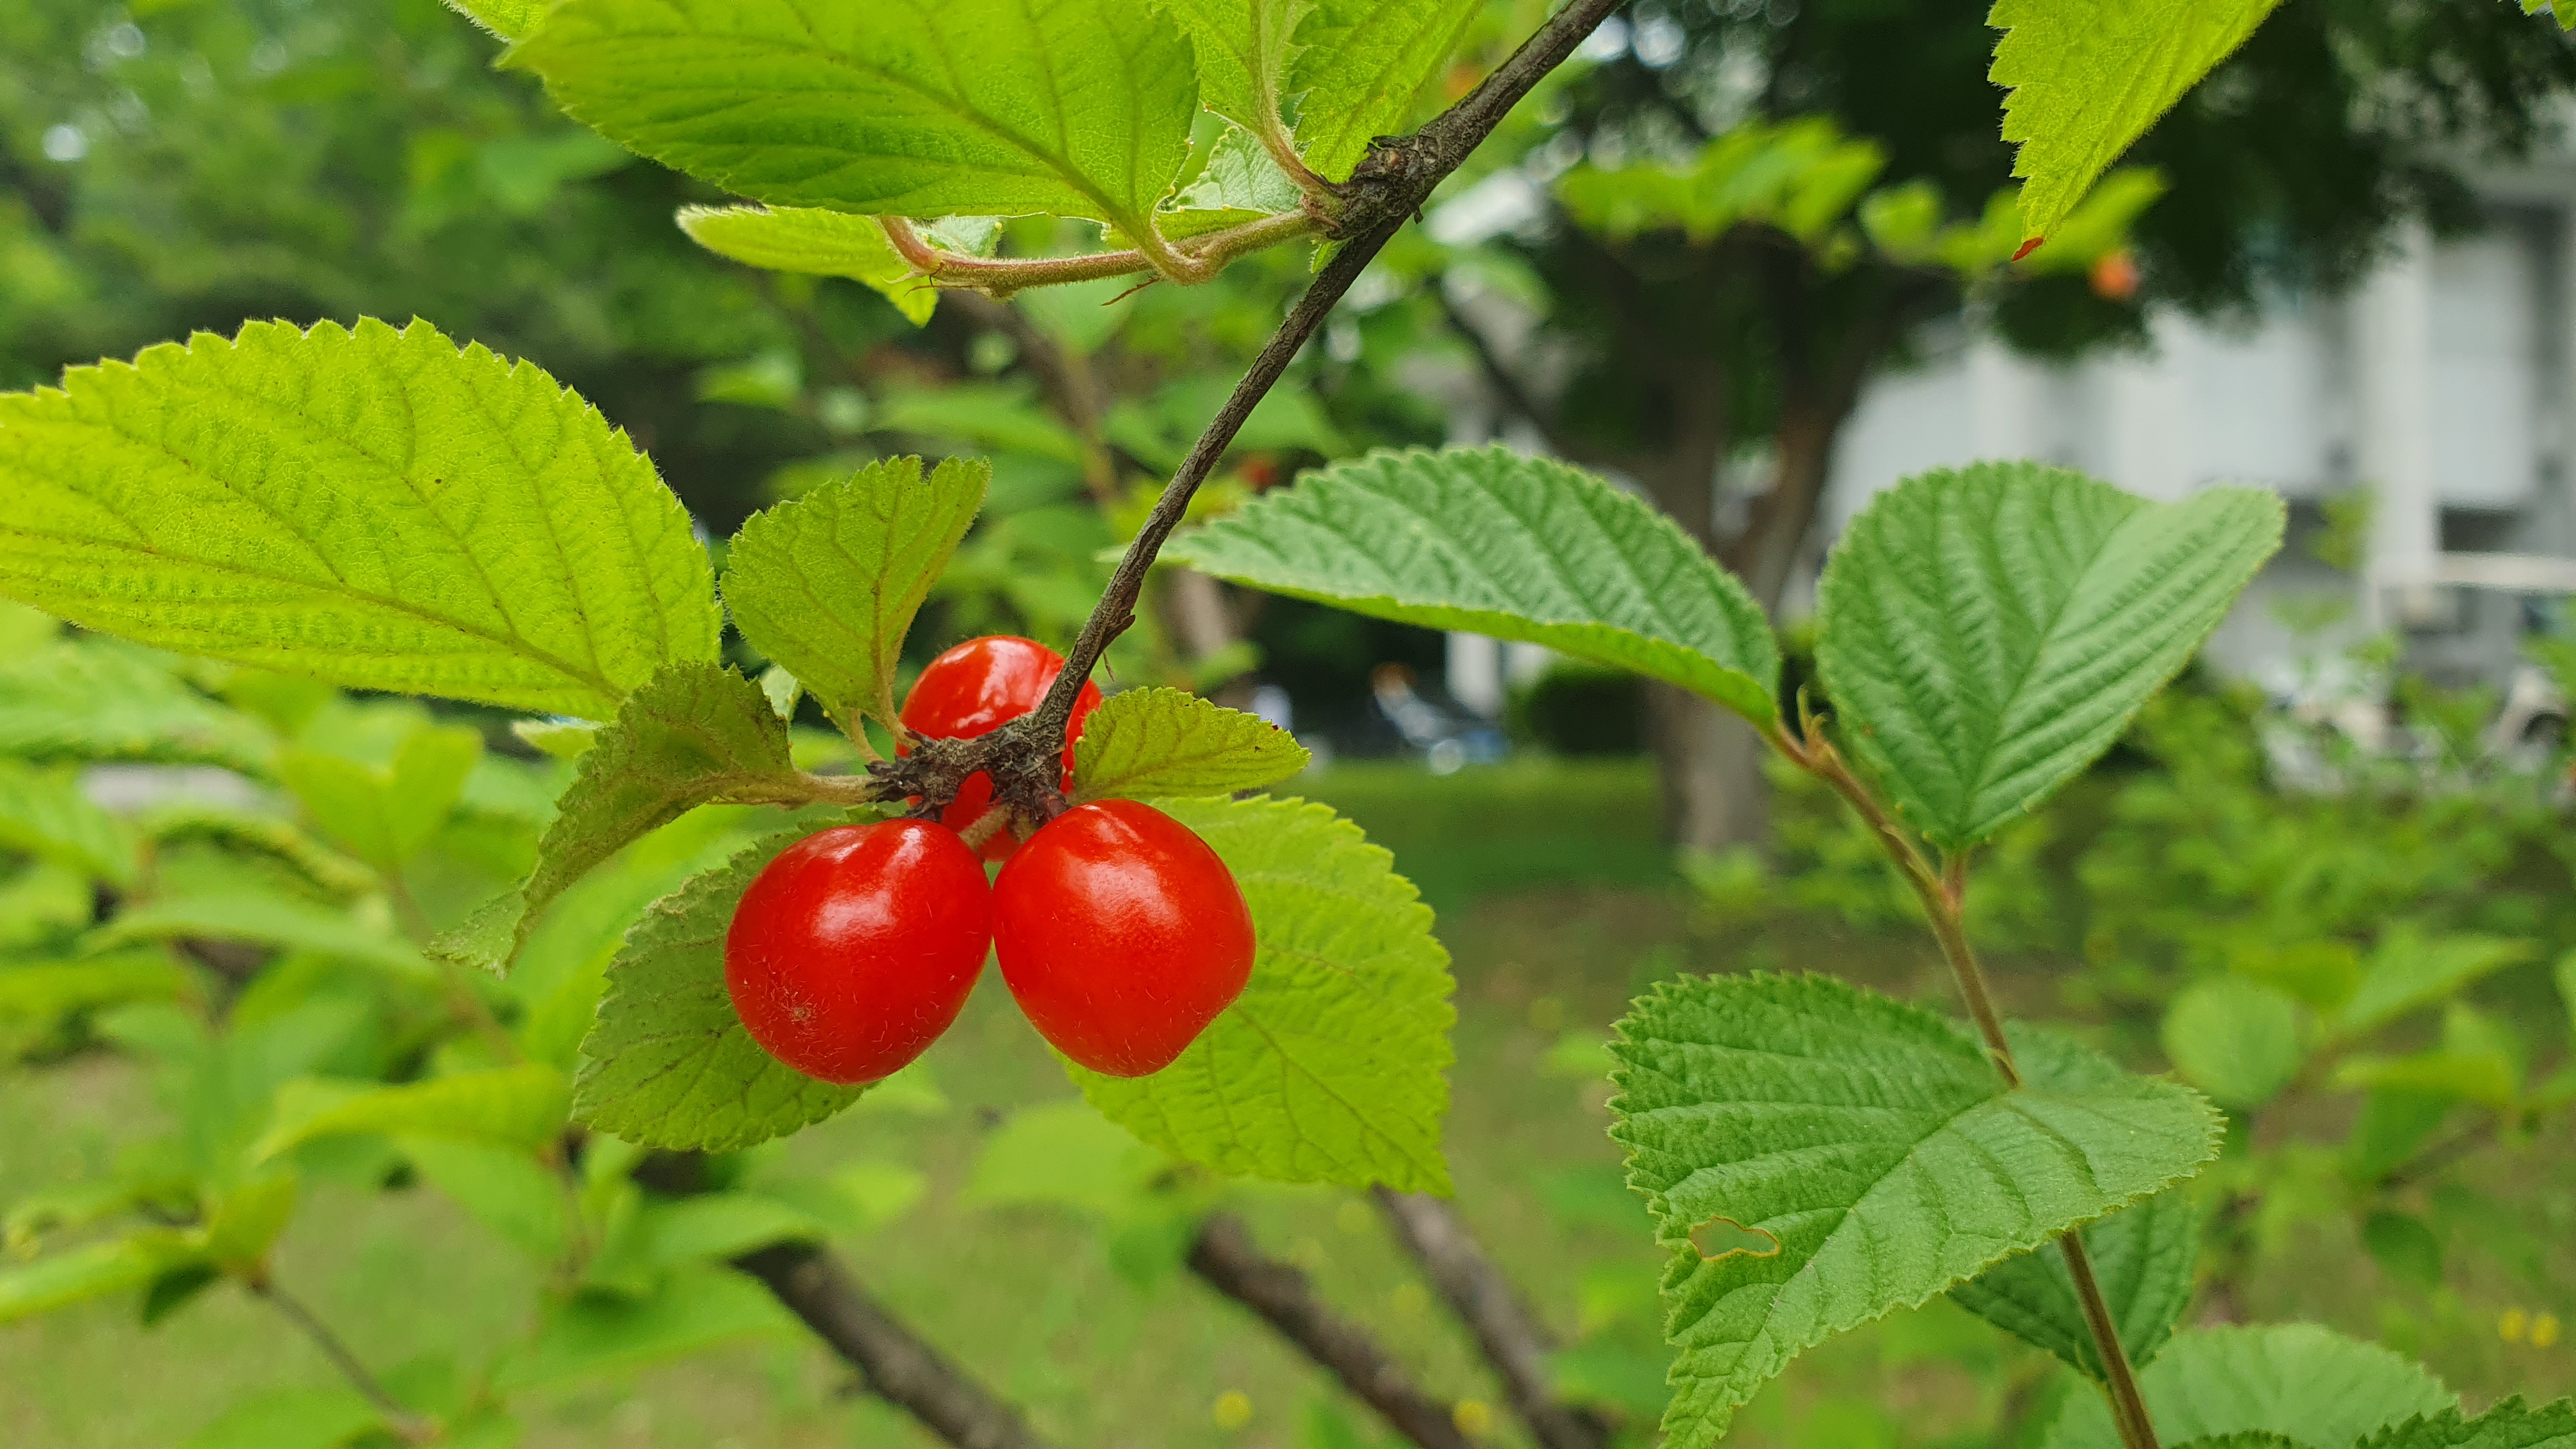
x=412, y=1428
x=1225, y=1256
x=897, y=1366
x=1512, y=1341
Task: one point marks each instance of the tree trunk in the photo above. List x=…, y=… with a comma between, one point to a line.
x=1710, y=766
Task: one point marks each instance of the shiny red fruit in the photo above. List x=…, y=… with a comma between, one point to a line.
x=856, y=947
x=976, y=688
x=1121, y=935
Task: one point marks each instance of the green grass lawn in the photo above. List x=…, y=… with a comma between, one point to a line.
x=1557, y=904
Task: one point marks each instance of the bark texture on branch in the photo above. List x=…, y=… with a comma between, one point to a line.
x=897, y=1367
x=1512, y=1340
x=1225, y=1256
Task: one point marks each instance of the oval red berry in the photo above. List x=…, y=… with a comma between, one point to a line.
x=1121, y=935
x=857, y=946
x=976, y=688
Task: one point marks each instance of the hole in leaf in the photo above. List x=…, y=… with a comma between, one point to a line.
x=1725, y=1237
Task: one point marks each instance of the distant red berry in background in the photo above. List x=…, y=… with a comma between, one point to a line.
x=976, y=688
x=1121, y=934
x=2115, y=276
x=856, y=947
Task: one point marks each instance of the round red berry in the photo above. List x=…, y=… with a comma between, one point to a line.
x=1121, y=934
x=976, y=688
x=856, y=947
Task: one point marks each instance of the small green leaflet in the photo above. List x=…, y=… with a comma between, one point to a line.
x=2235, y=1039
x=291, y=1419
x=1143, y=743
x=2143, y=1257
x=92, y=1270
x=1243, y=52
x=1361, y=67
x=1332, y=1066
x=2509, y=1425
x=811, y=240
x=508, y=19
x=918, y=108
x=827, y=584
x=2408, y=970
x=1873, y=1145
x=505, y=1188
x=511, y=1106
x=1492, y=542
x=667, y=1063
x=1987, y=632
x=384, y=816
x=2086, y=80
x=2310, y=1385
x=41, y=994
x=588, y=1335
x=693, y=734
x=288, y=922
x=377, y=508
x=101, y=700
x=44, y=814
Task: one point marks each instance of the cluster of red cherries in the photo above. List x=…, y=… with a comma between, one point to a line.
x=1120, y=933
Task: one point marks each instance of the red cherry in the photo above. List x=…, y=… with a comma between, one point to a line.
x=855, y=948
x=976, y=688
x=1121, y=935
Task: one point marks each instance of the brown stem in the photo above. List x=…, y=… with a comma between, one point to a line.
x=411, y=1428
x=1225, y=1256
x=897, y=1366
x=1513, y=1342
x=1194, y=260
x=1391, y=183
x=2128, y=1407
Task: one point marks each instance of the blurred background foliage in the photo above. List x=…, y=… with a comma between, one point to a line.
x=213, y=881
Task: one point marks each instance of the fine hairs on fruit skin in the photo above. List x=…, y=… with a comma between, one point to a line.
x=1121, y=935
x=976, y=688
x=856, y=947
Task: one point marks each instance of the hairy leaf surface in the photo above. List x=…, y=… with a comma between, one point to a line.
x=2142, y=1258
x=1142, y=743
x=375, y=508
x=2087, y=80
x=827, y=584
x=1243, y=51
x=508, y=19
x=1492, y=542
x=1332, y=1066
x=891, y=108
x=816, y=242
x=2310, y=1385
x=691, y=735
x=1989, y=631
x=1873, y=1145
x=2509, y=1425
x=1363, y=64
x=667, y=1063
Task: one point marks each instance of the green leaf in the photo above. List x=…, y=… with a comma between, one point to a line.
x=899, y=108
x=1141, y=743
x=1492, y=542
x=384, y=816
x=521, y=1107
x=667, y=1063
x=2311, y=1385
x=285, y=922
x=1062, y=1154
x=2142, y=1258
x=376, y=508
x=692, y=734
x=816, y=242
x=508, y=19
x=2407, y=971
x=94, y=700
x=2234, y=1039
x=1988, y=631
x=1363, y=64
x=2255, y=1439
x=2087, y=80
x=503, y=1187
x=1243, y=51
x=93, y=1270
x=44, y=814
x=1875, y=1148
x=2404, y=1246
x=562, y=739
x=827, y=584
x=595, y=1334
x=708, y=1228
x=46, y=992
x=1332, y=1065
x=2509, y=1425
x=291, y=1419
